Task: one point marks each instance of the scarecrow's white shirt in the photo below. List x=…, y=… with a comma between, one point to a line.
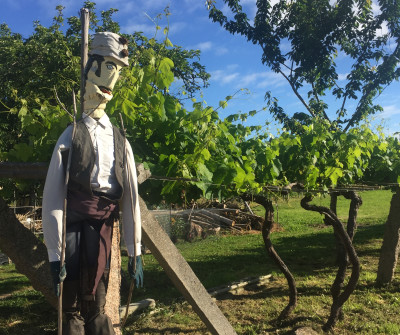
x=102, y=180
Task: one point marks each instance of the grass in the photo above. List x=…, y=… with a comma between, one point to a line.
x=305, y=244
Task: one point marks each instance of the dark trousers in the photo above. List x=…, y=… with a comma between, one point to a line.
x=84, y=311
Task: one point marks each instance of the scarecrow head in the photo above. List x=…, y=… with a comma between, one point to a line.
x=109, y=53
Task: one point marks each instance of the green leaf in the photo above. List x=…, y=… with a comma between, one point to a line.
x=313, y=174
x=253, y=112
x=168, y=43
x=206, y=154
x=169, y=105
x=23, y=111
x=223, y=104
x=163, y=157
x=21, y=152
x=333, y=173
x=240, y=176
x=202, y=186
x=168, y=188
x=276, y=168
x=203, y=172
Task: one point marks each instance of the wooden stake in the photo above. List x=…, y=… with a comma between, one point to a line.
x=84, y=50
x=84, y=53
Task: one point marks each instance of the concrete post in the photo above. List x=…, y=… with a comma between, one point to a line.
x=391, y=243
x=181, y=274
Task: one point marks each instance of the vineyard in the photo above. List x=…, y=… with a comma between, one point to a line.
x=193, y=153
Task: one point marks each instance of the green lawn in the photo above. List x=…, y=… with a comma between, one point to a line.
x=304, y=243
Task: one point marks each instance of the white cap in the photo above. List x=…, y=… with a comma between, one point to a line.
x=110, y=44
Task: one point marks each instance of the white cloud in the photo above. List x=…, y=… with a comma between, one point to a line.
x=232, y=67
x=177, y=27
x=203, y=46
x=342, y=76
x=250, y=8
x=383, y=30
x=194, y=5
x=376, y=9
x=389, y=111
x=285, y=46
x=230, y=78
x=223, y=77
x=209, y=46
x=255, y=80
x=262, y=80
x=221, y=51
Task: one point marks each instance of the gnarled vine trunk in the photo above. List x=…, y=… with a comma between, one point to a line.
x=342, y=257
x=266, y=231
x=339, y=298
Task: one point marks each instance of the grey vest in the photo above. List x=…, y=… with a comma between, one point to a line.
x=83, y=160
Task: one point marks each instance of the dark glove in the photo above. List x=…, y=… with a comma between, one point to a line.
x=58, y=275
x=138, y=274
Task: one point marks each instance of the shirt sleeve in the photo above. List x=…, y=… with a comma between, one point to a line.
x=130, y=206
x=53, y=198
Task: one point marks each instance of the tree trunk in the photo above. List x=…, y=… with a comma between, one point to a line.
x=391, y=243
x=27, y=252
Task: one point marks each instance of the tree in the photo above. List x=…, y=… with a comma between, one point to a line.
x=317, y=32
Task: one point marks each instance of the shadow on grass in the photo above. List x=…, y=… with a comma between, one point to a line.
x=305, y=255
x=27, y=313
x=172, y=330
x=11, y=280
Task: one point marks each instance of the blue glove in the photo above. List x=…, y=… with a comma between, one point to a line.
x=58, y=275
x=138, y=274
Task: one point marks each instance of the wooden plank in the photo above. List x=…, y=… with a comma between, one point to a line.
x=38, y=170
x=23, y=170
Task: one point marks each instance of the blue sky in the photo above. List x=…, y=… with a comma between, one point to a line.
x=232, y=62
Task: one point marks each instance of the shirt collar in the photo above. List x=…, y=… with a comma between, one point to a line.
x=104, y=121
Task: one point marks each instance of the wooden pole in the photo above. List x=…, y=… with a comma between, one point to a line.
x=84, y=56
x=84, y=50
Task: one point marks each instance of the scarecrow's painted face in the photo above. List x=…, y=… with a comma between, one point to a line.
x=100, y=81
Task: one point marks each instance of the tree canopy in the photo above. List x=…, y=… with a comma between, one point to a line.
x=318, y=31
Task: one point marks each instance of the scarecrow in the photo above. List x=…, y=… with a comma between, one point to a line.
x=102, y=182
